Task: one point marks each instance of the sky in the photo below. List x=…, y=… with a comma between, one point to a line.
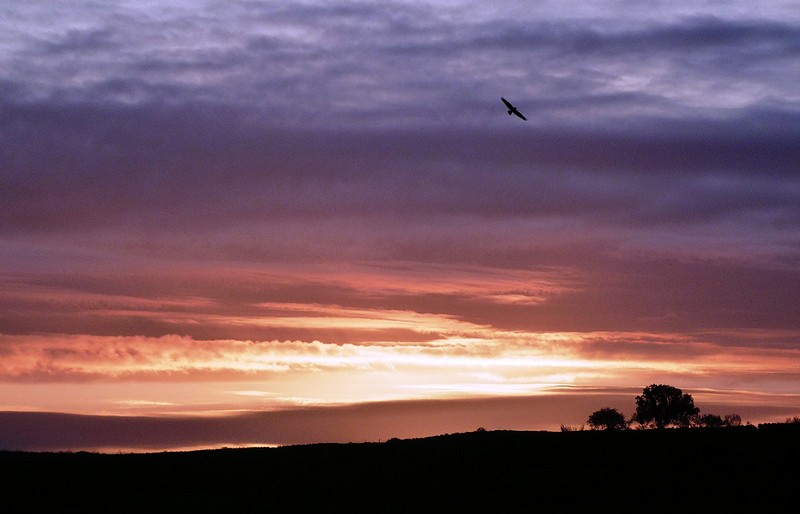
x=243, y=223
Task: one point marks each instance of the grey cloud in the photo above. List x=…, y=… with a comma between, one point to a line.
x=695, y=34
x=365, y=63
x=78, y=42
x=89, y=166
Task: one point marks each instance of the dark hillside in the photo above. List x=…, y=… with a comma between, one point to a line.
x=499, y=471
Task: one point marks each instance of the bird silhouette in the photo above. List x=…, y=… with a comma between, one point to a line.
x=512, y=109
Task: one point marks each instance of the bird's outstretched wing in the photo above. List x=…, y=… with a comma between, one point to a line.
x=512, y=109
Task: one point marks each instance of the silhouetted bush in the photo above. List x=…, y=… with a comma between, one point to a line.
x=607, y=419
x=710, y=420
x=732, y=420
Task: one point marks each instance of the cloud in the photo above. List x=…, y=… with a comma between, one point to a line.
x=146, y=167
x=215, y=117
x=184, y=178
x=358, y=423
x=345, y=63
x=564, y=287
x=378, y=421
x=457, y=356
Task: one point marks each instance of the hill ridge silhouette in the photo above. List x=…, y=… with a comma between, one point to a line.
x=495, y=471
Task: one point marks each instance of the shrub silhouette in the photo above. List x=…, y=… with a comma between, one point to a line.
x=716, y=421
x=711, y=421
x=607, y=419
x=732, y=420
x=662, y=405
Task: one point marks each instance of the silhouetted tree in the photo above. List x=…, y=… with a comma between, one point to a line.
x=607, y=419
x=732, y=420
x=663, y=405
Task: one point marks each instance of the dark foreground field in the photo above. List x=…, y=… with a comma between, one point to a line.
x=694, y=470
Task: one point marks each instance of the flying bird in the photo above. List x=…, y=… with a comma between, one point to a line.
x=512, y=109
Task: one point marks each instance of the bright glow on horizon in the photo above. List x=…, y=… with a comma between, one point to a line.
x=515, y=363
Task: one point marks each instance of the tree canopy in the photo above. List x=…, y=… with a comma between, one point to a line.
x=662, y=405
x=607, y=419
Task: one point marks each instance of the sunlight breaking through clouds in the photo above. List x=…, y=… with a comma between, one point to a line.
x=215, y=207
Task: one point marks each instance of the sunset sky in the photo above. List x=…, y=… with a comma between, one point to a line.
x=234, y=223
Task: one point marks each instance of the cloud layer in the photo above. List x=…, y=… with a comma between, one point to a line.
x=288, y=194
